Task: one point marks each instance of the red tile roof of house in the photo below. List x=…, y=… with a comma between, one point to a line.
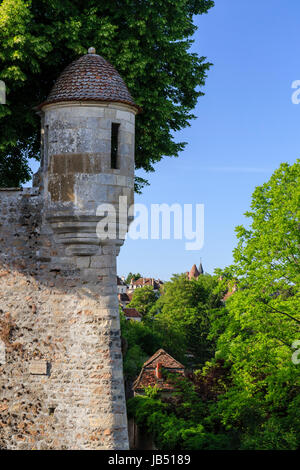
x=132, y=313
x=147, y=281
x=90, y=78
x=140, y=281
x=147, y=375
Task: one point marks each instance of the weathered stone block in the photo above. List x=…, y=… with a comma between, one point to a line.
x=38, y=368
x=123, y=115
x=83, y=261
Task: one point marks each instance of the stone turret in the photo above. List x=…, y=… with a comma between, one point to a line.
x=59, y=318
x=88, y=151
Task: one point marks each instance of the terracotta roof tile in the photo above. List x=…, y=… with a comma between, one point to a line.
x=147, y=375
x=132, y=312
x=148, y=281
x=90, y=78
x=194, y=273
x=162, y=357
x=148, y=378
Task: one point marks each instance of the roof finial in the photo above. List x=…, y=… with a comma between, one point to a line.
x=91, y=50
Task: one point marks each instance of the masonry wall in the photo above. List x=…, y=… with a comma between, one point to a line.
x=76, y=162
x=61, y=383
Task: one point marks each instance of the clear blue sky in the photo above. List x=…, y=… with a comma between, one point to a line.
x=246, y=126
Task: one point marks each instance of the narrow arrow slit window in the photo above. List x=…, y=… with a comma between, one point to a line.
x=114, y=163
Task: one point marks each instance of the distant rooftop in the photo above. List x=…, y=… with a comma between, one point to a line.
x=147, y=281
x=131, y=313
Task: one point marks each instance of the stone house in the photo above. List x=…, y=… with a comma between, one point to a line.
x=121, y=286
x=151, y=375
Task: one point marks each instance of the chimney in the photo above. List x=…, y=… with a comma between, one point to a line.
x=158, y=371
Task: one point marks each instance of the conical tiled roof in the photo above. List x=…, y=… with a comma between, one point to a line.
x=90, y=78
x=194, y=273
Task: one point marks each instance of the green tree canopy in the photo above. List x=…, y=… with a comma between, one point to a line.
x=267, y=255
x=263, y=317
x=141, y=342
x=147, y=41
x=184, y=316
x=143, y=300
x=177, y=420
x=132, y=276
x=248, y=395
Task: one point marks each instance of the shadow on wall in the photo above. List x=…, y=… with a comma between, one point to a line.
x=139, y=439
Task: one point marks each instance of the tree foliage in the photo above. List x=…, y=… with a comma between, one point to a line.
x=177, y=420
x=144, y=299
x=131, y=276
x=247, y=395
x=147, y=41
x=184, y=317
x=263, y=318
x=141, y=341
